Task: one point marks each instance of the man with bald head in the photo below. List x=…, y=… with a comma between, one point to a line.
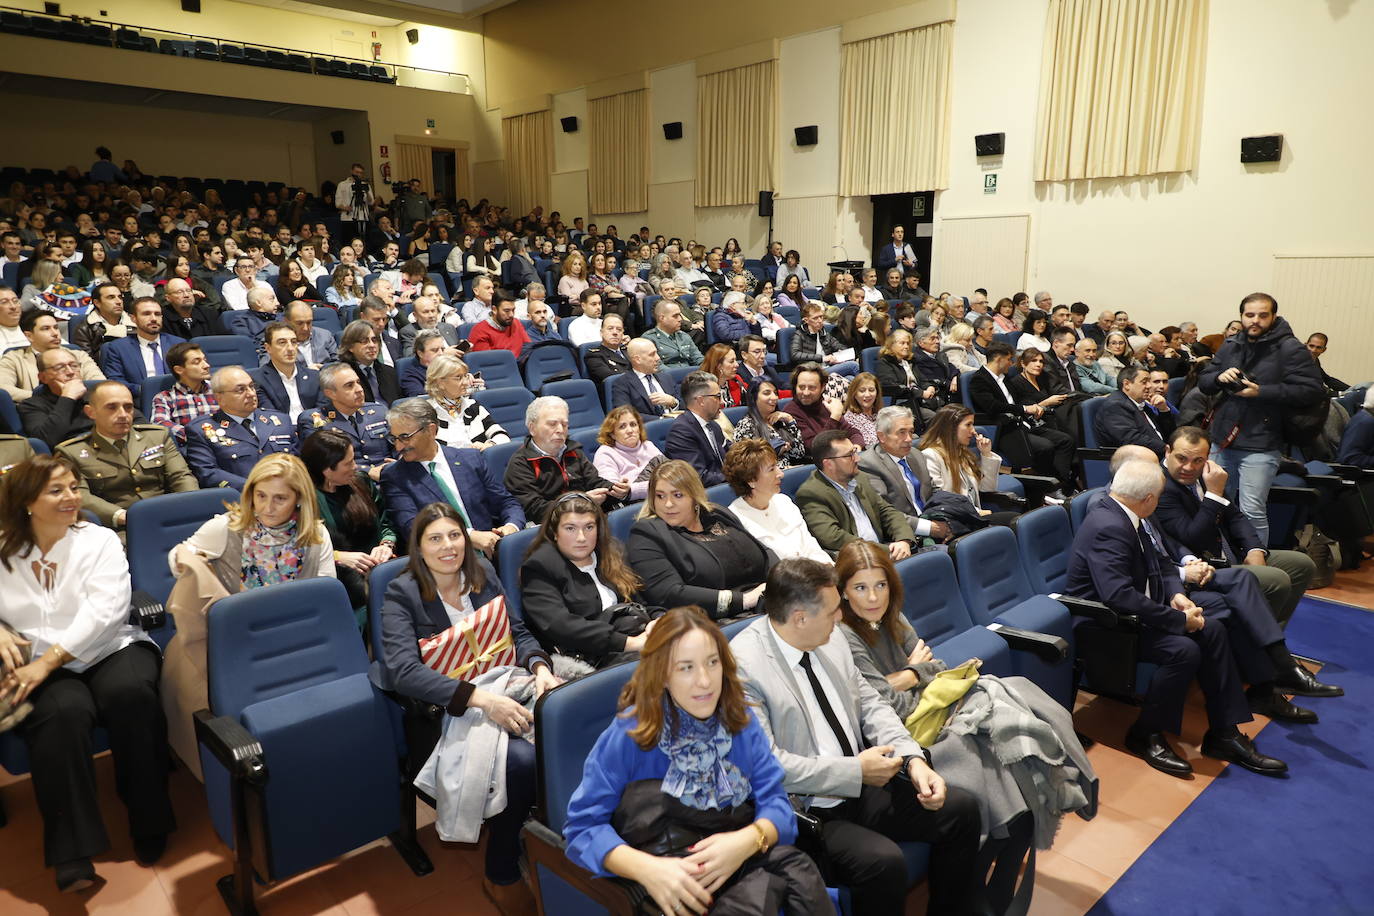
x=1106, y=323
x=19, y=368
x=651, y=392
x=314, y=346
x=223, y=446
x=121, y=461
x=252, y=321
x=183, y=317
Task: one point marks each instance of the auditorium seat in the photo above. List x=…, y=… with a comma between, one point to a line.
x=228, y=350
x=206, y=50
x=149, y=389
x=15, y=23
x=1095, y=459
x=507, y=407
x=498, y=456
x=46, y=28
x=498, y=368
x=257, y=57
x=584, y=402
x=158, y=524
x=548, y=362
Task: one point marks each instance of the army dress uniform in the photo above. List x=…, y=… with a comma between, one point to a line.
x=113, y=479
x=221, y=450
x=13, y=450
x=367, y=428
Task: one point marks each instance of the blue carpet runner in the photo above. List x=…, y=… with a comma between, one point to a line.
x=1255, y=845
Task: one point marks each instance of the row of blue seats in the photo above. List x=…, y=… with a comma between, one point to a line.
x=95, y=33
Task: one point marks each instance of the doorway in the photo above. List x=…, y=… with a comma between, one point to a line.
x=444, y=165
x=915, y=211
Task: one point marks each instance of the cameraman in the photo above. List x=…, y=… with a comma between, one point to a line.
x=1262, y=371
x=354, y=199
x=412, y=206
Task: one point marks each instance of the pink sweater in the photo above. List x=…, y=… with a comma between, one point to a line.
x=615, y=461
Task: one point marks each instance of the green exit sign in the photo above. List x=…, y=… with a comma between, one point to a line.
x=990, y=183
x=429, y=122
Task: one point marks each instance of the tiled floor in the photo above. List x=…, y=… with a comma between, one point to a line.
x=1136, y=805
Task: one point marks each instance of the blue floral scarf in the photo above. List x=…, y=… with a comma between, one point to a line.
x=698, y=774
x=271, y=555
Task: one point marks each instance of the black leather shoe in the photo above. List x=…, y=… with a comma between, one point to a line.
x=1276, y=706
x=76, y=875
x=1300, y=682
x=1154, y=749
x=1241, y=751
x=149, y=849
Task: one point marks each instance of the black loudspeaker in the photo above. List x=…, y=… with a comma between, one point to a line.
x=190, y=6
x=806, y=136
x=765, y=203
x=672, y=130
x=1261, y=149
x=569, y=125
x=413, y=36
x=337, y=136
x=989, y=144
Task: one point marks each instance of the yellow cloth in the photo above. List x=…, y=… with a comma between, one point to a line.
x=946, y=689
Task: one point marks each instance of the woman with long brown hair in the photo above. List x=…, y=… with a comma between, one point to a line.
x=952, y=465
x=573, y=574
x=686, y=749
x=861, y=405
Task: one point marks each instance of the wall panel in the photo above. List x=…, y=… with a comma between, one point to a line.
x=1334, y=295
x=981, y=251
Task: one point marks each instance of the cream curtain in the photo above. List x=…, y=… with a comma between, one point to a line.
x=529, y=160
x=894, y=112
x=462, y=179
x=415, y=161
x=618, y=172
x=736, y=139
x=1120, y=88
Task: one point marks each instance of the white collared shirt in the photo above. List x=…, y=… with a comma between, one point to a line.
x=293, y=396
x=608, y=596
x=445, y=470
x=827, y=745
x=1001, y=383
x=145, y=347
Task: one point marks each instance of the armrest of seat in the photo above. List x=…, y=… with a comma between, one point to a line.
x=1095, y=454
x=1003, y=500
x=1046, y=647
x=146, y=611
x=1036, y=487
x=1293, y=496
x=1217, y=562
x=546, y=848
x=232, y=745
x=1352, y=472
x=1095, y=611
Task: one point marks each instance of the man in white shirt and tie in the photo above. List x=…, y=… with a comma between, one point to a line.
x=898, y=472
x=138, y=357
x=643, y=387
x=897, y=253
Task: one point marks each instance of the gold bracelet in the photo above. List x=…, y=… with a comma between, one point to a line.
x=61, y=654
x=763, y=837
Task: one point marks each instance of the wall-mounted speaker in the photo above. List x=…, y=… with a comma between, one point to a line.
x=672, y=130
x=413, y=36
x=765, y=203
x=806, y=136
x=989, y=144
x=190, y=6
x=1261, y=149
x=337, y=136
x=569, y=124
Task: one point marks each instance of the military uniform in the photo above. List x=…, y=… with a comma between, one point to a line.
x=221, y=451
x=367, y=428
x=149, y=465
x=13, y=450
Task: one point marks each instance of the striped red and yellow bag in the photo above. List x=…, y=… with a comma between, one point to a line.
x=473, y=647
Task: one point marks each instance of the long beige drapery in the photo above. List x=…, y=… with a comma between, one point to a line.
x=618, y=167
x=415, y=161
x=1120, y=88
x=528, y=141
x=894, y=112
x=736, y=138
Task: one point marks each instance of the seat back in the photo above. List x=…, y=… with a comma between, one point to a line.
x=510, y=552
x=548, y=361
x=1044, y=537
x=868, y=359
x=1097, y=473
x=326, y=317
x=584, y=403
x=991, y=579
x=151, y=386
x=498, y=368
x=9, y=414
x=1173, y=391
x=498, y=457
x=931, y=601
x=964, y=396
x=785, y=346
x=228, y=350
x=507, y=407
x=1078, y=506
x=656, y=431
x=620, y=521
x=156, y=525
x=377, y=581
x=569, y=719
x=793, y=478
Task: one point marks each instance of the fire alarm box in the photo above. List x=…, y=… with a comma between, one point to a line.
x=376, y=50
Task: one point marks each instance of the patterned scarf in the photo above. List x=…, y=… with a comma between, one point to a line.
x=698, y=774
x=271, y=555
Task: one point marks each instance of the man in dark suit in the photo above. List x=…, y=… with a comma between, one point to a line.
x=1114, y=560
x=773, y=259
x=1060, y=376
x=696, y=437
x=222, y=447
x=840, y=506
x=1106, y=323
x=360, y=347
x=427, y=472
x=1126, y=419
x=284, y=383
x=753, y=364
x=314, y=346
x=1048, y=451
x=376, y=313
x=521, y=271
x=183, y=316
x=648, y=391
x=426, y=312
x=607, y=358
x=134, y=358
x=1194, y=511
x=896, y=253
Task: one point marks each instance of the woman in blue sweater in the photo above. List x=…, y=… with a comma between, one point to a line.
x=686, y=750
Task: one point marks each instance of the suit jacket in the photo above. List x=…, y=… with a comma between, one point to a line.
x=689, y=442
x=747, y=375
x=408, y=333
x=889, y=482
x=149, y=466
x=1056, y=379
x=522, y=272
x=1109, y=564
x=778, y=698
x=1200, y=524
x=829, y=518
x=891, y=251
x=123, y=358
x=272, y=393
x=323, y=347
x=1120, y=422
x=1094, y=332
x=221, y=452
x=408, y=487
x=602, y=362
x=388, y=382
x=629, y=389
x=988, y=398
x=407, y=618
x=204, y=321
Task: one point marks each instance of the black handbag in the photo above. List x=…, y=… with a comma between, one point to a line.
x=654, y=822
x=629, y=618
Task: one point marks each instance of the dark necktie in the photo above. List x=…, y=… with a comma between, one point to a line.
x=158, y=362
x=1154, y=582
x=915, y=485
x=248, y=426
x=717, y=436
x=1149, y=416
x=826, y=709
x=370, y=377
x=1072, y=373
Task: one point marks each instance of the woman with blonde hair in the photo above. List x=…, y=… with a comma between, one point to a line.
x=626, y=452
x=463, y=422
x=574, y=277
x=686, y=750
x=958, y=348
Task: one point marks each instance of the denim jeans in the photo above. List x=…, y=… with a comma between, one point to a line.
x=1251, y=476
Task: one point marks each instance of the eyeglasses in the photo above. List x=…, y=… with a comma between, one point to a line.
x=238, y=390
x=63, y=368
x=403, y=438
x=850, y=454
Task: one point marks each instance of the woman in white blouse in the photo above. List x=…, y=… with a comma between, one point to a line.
x=67, y=648
x=751, y=469
x=952, y=465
